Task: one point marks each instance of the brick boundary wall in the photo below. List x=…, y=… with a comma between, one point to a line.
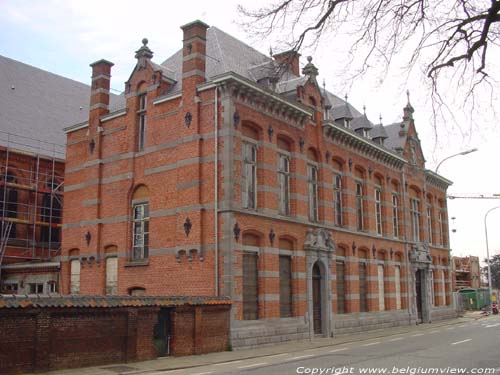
x=67, y=333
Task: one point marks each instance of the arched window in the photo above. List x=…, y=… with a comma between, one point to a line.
x=140, y=223
x=312, y=184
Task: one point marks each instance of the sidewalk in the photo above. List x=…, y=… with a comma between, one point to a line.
x=175, y=363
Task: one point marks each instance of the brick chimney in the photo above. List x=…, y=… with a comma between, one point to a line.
x=193, y=54
x=291, y=58
x=101, y=78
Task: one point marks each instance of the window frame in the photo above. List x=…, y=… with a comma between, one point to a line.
x=360, y=217
x=378, y=210
x=337, y=199
x=284, y=183
x=142, y=122
x=249, y=181
x=312, y=192
x=429, y=223
x=143, y=221
x=395, y=214
x=415, y=219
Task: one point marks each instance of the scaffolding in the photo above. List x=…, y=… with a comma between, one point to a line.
x=31, y=198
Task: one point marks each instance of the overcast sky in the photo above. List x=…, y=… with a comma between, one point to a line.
x=64, y=37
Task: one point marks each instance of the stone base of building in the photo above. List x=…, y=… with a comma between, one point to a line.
x=358, y=322
x=442, y=313
x=253, y=333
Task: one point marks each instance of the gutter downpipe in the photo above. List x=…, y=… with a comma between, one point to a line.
x=216, y=190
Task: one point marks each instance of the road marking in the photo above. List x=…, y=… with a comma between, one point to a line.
x=396, y=339
x=203, y=373
x=418, y=334
x=254, y=365
x=301, y=356
x=493, y=325
x=226, y=363
x=337, y=350
x=450, y=328
x=372, y=343
x=462, y=326
x=435, y=331
x=460, y=342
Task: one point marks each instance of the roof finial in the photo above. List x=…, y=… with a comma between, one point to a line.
x=380, y=118
x=408, y=95
x=364, y=109
x=144, y=52
x=311, y=71
x=345, y=97
x=270, y=51
x=324, y=84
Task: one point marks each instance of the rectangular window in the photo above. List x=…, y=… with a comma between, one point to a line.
x=140, y=231
x=440, y=225
x=397, y=284
x=284, y=184
x=285, y=286
x=52, y=287
x=141, y=139
x=359, y=206
x=312, y=183
x=429, y=223
x=363, y=288
x=75, y=276
x=415, y=220
x=395, y=215
x=378, y=210
x=340, y=287
x=250, y=287
x=36, y=288
x=249, y=187
x=337, y=199
x=10, y=288
x=381, y=294
x=111, y=275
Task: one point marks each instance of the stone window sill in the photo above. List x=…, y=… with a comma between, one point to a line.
x=137, y=263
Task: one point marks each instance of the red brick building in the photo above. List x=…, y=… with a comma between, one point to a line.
x=35, y=105
x=227, y=172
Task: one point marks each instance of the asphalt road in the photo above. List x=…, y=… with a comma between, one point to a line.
x=469, y=348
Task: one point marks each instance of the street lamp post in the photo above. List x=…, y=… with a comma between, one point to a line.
x=452, y=156
x=488, y=249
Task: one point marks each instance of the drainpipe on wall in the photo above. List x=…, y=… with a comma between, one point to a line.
x=216, y=191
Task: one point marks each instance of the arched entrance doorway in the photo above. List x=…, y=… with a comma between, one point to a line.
x=316, y=286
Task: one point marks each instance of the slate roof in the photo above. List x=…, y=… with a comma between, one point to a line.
x=378, y=131
x=35, y=105
x=396, y=136
x=361, y=122
x=57, y=300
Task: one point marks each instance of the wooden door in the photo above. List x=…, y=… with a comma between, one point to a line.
x=316, y=284
x=250, y=287
x=363, y=302
x=340, y=287
x=285, y=286
x=418, y=288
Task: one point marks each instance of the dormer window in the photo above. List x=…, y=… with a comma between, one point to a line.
x=347, y=123
x=366, y=133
